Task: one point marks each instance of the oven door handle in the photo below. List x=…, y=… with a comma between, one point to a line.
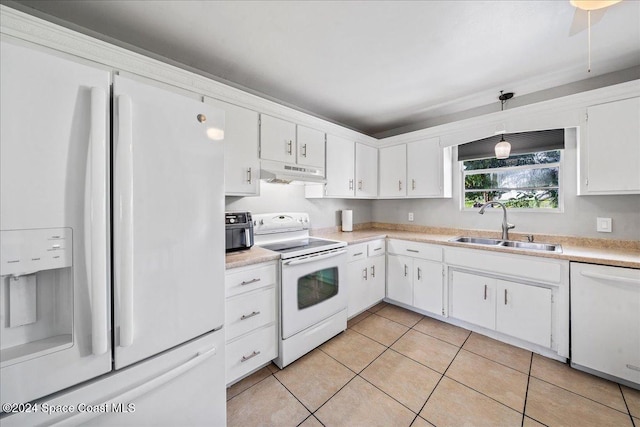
x=313, y=258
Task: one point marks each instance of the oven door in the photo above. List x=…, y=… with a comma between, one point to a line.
x=313, y=289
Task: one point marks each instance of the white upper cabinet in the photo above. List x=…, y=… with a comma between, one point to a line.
x=393, y=171
x=609, y=149
x=366, y=171
x=310, y=147
x=429, y=172
x=417, y=169
x=340, y=167
x=277, y=139
x=241, y=162
x=283, y=141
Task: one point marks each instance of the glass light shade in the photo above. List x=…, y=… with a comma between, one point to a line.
x=592, y=4
x=503, y=148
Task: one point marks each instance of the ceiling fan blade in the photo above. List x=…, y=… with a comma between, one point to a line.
x=580, y=20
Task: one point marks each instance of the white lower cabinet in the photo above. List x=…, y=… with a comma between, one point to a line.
x=515, y=309
x=250, y=319
x=415, y=275
x=605, y=321
x=516, y=296
x=365, y=275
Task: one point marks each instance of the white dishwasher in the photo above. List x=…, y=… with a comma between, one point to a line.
x=605, y=321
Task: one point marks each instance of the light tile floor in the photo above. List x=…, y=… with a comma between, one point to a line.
x=393, y=367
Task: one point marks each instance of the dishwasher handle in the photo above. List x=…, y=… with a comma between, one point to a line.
x=600, y=276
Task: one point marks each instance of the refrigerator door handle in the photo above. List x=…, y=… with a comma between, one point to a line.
x=133, y=394
x=124, y=171
x=97, y=233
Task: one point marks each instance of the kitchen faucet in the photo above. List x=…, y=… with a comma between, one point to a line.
x=505, y=225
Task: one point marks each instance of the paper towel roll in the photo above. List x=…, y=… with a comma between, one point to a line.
x=347, y=220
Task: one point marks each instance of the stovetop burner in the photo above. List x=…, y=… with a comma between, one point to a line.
x=289, y=246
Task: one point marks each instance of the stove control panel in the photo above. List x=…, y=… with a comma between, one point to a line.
x=280, y=222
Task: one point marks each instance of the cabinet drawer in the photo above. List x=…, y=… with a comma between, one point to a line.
x=356, y=252
x=415, y=250
x=251, y=351
x=250, y=311
x=246, y=279
x=377, y=247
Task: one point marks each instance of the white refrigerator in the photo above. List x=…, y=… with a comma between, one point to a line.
x=112, y=247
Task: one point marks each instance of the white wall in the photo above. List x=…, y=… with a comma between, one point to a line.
x=290, y=198
x=578, y=218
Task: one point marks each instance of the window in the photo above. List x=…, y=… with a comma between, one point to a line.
x=524, y=181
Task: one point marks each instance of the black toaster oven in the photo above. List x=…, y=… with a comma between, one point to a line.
x=238, y=231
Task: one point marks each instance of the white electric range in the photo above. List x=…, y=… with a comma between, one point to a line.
x=313, y=294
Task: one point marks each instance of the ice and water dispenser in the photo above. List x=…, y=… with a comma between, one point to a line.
x=36, y=309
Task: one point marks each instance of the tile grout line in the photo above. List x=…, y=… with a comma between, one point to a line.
x=624, y=399
x=252, y=385
x=526, y=393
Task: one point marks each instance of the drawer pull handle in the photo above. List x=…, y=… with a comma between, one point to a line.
x=415, y=251
x=505, y=297
x=485, y=292
x=635, y=368
x=248, y=316
x=248, y=282
x=405, y=270
x=251, y=356
x=377, y=249
x=419, y=274
x=373, y=271
x=358, y=254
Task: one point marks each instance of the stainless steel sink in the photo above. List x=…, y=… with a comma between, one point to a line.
x=477, y=240
x=529, y=246
x=532, y=246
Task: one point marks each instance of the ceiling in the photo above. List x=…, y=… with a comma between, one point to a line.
x=372, y=66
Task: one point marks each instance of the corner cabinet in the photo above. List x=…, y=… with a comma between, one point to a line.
x=286, y=142
x=609, y=149
x=366, y=275
x=519, y=296
x=420, y=169
x=415, y=275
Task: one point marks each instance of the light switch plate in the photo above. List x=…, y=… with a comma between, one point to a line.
x=604, y=225
x=410, y=216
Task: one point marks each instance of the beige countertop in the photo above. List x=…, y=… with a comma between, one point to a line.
x=595, y=251
x=255, y=255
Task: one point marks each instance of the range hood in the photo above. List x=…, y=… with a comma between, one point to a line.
x=284, y=173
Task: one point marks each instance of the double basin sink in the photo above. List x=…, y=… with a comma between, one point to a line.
x=545, y=247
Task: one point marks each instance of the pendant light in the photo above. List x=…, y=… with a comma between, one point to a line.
x=503, y=148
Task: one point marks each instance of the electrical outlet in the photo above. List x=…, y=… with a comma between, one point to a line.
x=604, y=225
x=410, y=216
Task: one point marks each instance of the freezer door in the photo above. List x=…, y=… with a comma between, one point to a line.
x=54, y=220
x=182, y=387
x=168, y=218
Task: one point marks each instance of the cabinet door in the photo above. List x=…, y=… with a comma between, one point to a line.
x=424, y=168
x=427, y=285
x=310, y=147
x=524, y=311
x=366, y=171
x=241, y=136
x=277, y=139
x=400, y=279
x=393, y=171
x=357, y=276
x=377, y=280
x=340, y=170
x=613, y=148
x=473, y=299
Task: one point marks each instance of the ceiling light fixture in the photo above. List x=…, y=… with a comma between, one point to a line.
x=503, y=148
x=590, y=5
